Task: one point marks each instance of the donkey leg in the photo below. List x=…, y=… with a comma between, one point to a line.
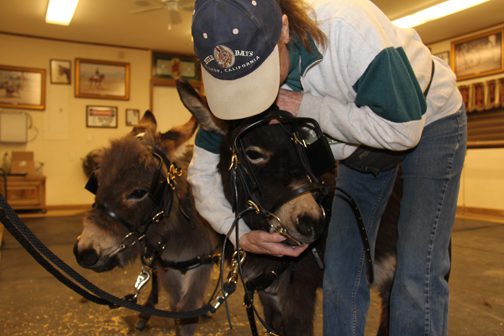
x=194, y=284
x=272, y=312
x=290, y=312
x=384, y=276
x=383, y=329
x=152, y=300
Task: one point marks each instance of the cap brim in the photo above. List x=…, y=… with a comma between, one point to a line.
x=247, y=96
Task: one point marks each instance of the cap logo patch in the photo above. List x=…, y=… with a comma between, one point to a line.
x=224, y=56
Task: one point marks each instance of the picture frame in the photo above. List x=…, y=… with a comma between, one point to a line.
x=102, y=79
x=22, y=87
x=98, y=116
x=175, y=66
x=132, y=117
x=465, y=91
x=478, y=97
x=60, y=71
x=500, y=90
x=444, y=55
x=479, y=55
x=491, y=94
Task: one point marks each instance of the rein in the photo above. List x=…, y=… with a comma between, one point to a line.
x=71, y=278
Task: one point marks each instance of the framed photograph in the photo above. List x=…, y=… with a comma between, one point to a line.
x=500, y=90
x=445, y=56
x=132, y=117
x=61, y=71
x=22, y=88
x=172, y=66
x=465, y=91
x=478, y=99
x=477, y=56
x=101, y=116
x=102, y=79
x=491, y=89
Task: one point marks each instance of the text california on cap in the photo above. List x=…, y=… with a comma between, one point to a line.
x=236, y=42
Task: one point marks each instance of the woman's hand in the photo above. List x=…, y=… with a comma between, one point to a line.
x=262, y=242
x=289, y=101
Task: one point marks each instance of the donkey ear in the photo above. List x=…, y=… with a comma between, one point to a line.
x=91, y=162
x=148, y=118
x=148, y=122
x=198, y=107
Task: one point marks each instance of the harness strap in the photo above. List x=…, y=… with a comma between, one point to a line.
x=187, y=265
x=248, y=301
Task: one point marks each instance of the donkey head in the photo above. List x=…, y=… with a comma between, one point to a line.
x=131, y=182
x=269, y=168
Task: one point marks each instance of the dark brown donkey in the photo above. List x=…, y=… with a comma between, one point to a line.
x=267, y=169
x=144, y=208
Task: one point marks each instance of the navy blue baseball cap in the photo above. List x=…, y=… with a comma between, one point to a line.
x=236, y=42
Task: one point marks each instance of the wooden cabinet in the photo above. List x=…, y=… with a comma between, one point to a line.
x=25, y=192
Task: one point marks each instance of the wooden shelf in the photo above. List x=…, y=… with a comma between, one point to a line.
x=25, y=192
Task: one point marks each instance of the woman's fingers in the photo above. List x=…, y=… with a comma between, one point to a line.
x=261, y=242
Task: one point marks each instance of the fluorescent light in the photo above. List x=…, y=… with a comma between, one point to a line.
x=60, y=12
x=437, y=11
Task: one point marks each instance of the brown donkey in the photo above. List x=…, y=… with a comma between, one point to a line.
x=144, y=208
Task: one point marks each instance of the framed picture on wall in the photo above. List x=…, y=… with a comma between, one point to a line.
x=60, y=71
x=465, y=91
x=173, y=66
x=478, y=97
x=101, y=116
x=102, y=79
x=500, y=89
x=132, y=117
x=22, y=88
x=491, y=96
x=477, y=56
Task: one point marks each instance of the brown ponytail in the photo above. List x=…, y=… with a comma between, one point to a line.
x=301, y=25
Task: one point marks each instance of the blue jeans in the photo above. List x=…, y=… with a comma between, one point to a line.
x=419, y=299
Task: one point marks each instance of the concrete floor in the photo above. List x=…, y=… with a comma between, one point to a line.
x=32, y=302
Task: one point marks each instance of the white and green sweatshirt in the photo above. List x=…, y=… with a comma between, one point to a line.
x=369, y=86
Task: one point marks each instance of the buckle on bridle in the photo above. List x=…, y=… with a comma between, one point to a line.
x=172, y=174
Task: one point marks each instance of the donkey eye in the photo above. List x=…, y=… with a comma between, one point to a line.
x=256, y=156
x=137, y=194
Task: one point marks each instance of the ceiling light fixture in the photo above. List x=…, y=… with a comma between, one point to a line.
x=435, y=12
x=60, y=12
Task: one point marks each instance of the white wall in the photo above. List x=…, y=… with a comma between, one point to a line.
x=59, y=137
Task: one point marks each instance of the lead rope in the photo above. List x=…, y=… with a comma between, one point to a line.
x=72, y=279
x=362, y=230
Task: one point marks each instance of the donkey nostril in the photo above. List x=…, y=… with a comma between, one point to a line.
x=306, y=225
x=87, y=258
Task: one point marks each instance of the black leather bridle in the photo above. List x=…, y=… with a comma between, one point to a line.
x=160, y=193
x=312, y=150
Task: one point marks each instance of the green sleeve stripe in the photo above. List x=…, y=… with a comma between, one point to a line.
x=389, y=87
x=208, y=140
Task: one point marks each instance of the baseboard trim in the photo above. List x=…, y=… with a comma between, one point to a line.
x=68, y=207
x=493, y=215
